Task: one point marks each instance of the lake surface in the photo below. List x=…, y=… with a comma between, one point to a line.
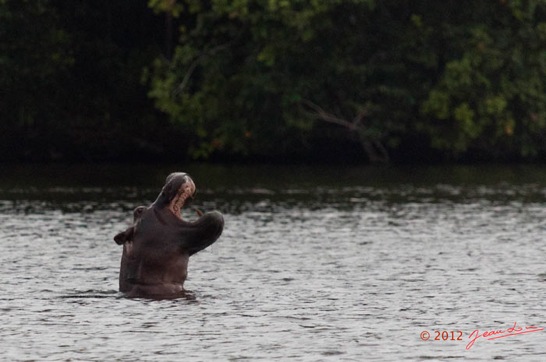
x=315, y=264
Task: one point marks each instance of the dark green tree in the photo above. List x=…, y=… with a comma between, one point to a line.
x=490, y=93
x=34, y=59
x=246, y=75
x=272, y=78
x=255, y=77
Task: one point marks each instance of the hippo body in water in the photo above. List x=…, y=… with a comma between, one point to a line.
x=157, y=247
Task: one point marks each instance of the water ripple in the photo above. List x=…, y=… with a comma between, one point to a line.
x=306, y=274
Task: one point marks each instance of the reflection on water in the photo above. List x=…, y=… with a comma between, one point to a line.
x=314, y=264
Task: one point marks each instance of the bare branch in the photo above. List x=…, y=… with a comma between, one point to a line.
x=357, y=121
x=384, y=154
x=187, y=76
x=328, y=117
x=374, y=149
x=194, y=65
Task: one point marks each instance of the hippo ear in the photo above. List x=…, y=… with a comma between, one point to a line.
x=137, y=213
x=124, y=236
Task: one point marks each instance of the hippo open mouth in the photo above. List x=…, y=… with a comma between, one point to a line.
x=157, y=246
x=186, y=191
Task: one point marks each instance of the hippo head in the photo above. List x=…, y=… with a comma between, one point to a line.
x=166, y=212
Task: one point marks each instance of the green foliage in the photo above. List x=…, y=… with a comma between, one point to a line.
x=467, y=75
x=273, y=78
x=168, y=6
x=491, y=96
x=239, y=75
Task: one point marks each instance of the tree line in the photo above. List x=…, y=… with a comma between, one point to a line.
x=273, y=80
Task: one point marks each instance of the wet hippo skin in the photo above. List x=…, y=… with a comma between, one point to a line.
x=159, y=243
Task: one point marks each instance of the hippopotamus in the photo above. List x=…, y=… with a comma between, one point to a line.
x=158, y=244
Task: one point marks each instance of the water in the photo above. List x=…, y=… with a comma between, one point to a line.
x=315, y=264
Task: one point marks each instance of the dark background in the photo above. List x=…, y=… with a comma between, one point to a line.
x=265, y=81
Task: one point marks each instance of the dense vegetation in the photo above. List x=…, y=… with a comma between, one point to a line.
x=276, y=80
